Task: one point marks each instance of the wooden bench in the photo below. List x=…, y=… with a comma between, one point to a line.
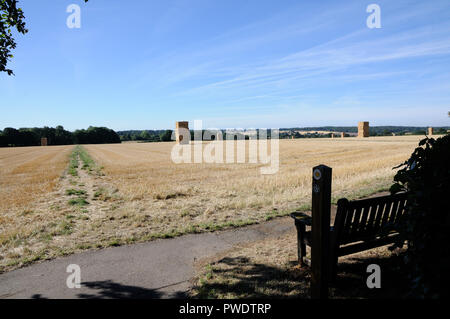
x=359, y=225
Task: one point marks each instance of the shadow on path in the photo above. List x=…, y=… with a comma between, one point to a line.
x=239, y=277
x=111, y=289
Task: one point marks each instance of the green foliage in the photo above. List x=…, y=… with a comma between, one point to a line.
x=88, y=162
x=56, y=136
x=96, y=135
x=373, y=130
x=145, y=135
x=426, y=226
x=75, y=192
x=11, y=17
x=80, y=201
x=166, y=136
x=73, y=165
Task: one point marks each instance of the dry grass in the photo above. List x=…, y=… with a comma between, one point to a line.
x=135, y=193
x=269, y=269
x=163, y=197
x=28, y=178
x=28, y=173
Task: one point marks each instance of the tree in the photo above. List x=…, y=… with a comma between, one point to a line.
x=56, y=136
x=145, y=135
x=425, y=228
x=11, y=17
x=96, y=135
x=62, y=137
x=11, y=136
x=166, y=136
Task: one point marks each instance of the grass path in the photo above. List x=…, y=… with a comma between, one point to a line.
x=65, y=220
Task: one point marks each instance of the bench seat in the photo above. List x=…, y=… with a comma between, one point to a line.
x=358, y=226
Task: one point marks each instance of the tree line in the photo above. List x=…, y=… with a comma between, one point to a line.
x=57, y=136
x=101, y=135
x=168, y=135
x=286, y=133
x=146, y=135
x=373, y=130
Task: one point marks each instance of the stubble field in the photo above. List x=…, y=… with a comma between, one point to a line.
x=59, y=200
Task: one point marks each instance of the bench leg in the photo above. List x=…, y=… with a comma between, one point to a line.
x=301, y=229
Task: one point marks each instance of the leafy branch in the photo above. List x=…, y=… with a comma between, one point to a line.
x=11, y=17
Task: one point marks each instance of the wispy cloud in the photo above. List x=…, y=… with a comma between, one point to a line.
x=336, y=55
x=237, y=63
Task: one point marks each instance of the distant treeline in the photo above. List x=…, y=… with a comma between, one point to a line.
x=101, y=135
x=166, y=135
x=146, y=135
x=374, y=130
x=56, y=136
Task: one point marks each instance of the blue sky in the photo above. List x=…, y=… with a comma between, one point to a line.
x=233, y=64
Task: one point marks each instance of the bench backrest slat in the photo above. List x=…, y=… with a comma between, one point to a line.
x=368, y=217
x=401, y=210
x=347, y=221
x=380, y=211
x=370, y=227
x=354, y=229
x=364, y=218
x=395, y=211
x=386, y=213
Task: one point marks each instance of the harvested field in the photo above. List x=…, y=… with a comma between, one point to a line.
x=28, y=178
x=124, y=193
x=161, y=198
x=28, y=173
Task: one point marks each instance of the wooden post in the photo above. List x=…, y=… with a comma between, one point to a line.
x=320, y=231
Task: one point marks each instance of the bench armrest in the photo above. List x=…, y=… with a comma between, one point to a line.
x=302, y=218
